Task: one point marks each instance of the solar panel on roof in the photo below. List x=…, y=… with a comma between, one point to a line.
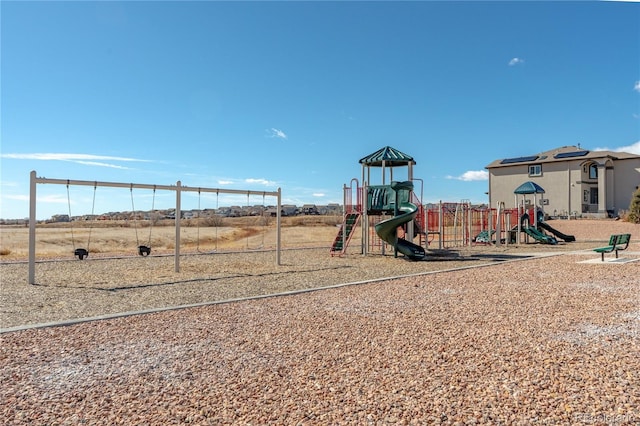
x=519, y=159
x=571, y=154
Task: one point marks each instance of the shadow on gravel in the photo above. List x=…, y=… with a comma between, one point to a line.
x=444, y=255
x=186, y=281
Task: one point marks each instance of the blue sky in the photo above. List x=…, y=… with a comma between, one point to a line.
x=261, y=95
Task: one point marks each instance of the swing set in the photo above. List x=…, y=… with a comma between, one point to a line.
x=143, y=249
x=264, y=221
x=81, y=253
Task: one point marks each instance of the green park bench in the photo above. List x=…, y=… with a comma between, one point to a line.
x=617, y=242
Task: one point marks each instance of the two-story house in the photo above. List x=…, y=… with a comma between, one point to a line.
x=576, y=181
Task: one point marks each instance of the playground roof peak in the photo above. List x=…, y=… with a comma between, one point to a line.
x=529, y=188
x=390, y=156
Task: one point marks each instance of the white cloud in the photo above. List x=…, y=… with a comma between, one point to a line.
x=516, y=61
x=85, y=159
x=636, y=86
x=225, y=182
x=632, y=149
x=260, y=182
x=96, y=163
x=472, y=176
x=50, y=199
x=318, y=194
x=276, y=133
x=17, y=197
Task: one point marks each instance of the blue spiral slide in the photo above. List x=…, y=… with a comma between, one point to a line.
x=387, y=229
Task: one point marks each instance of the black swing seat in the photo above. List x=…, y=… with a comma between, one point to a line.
x=81, y=253
x=144, y=250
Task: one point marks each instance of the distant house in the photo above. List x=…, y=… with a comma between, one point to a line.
x=289, y=210
x=576, y=181
x=234, y=211
x=330, y=209
x=57, y=218
x=308, y=209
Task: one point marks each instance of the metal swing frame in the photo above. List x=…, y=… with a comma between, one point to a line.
x=178, y=188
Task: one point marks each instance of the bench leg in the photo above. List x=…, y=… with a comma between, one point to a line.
x=602, y=256
x=616, y=254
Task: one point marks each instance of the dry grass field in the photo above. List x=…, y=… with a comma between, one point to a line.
x=122, y=238
x=249, y=233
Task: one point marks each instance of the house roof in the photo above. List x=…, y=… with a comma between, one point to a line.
x=390, y=156
x=564, y=153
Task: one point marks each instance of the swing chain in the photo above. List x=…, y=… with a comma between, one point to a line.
x=135, y=222
x=93, y=206
x=73, y=241
x=152, y=214
x=142, y=249
x=81, y=253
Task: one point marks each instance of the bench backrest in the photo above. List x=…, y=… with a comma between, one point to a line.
x=613, y=240
x=623, y=239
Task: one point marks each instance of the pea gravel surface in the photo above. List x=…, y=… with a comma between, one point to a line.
x=510, y=338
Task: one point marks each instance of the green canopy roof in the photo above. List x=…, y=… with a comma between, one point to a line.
x=529, y=188
x=391, y=157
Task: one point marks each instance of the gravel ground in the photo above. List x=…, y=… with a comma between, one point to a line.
x=68, y=290
x=547, y=340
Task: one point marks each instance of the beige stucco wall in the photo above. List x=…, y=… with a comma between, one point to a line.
x=555, y=181
x=626, y=180
x=565, y=183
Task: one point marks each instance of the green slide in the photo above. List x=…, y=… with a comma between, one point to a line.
x=547, y=227
x=387, y=229
x=539, y=236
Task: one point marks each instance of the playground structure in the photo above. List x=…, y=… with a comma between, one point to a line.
x=531, y=221
x=391, y=209
x=143, y=250
x=392, y=214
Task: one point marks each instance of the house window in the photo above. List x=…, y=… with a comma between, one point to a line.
x=593, y=171
x=594, y=196
x=535, y=170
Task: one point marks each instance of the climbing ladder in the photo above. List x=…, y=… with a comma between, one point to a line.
x=339, y=246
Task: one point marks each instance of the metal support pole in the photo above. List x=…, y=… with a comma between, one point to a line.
x=490, y=222
x=518, y=219
x=509, y=230
x=278, y=223
x=344, y=216
x=32, y=228
x=469, y=224
x=365, y=218
x=499, y=209
x=441, y=227
x=177, y=221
